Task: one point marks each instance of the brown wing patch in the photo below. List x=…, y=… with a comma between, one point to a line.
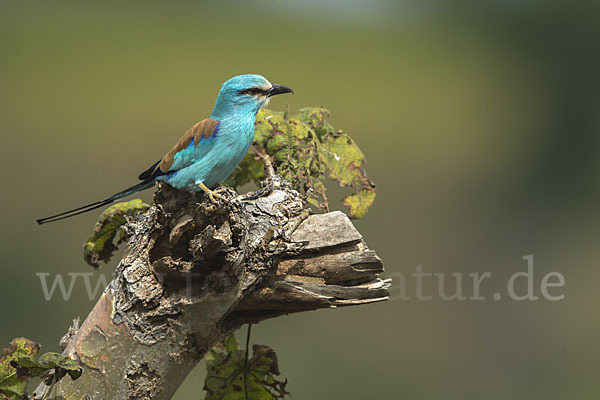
x=204, y=128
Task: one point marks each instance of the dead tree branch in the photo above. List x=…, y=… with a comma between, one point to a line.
x=194, y=271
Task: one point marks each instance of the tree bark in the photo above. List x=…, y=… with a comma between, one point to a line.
x=195, y=271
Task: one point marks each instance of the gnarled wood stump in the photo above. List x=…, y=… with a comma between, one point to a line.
x=194, y=271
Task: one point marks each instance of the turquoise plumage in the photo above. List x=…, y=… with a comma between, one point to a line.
x=209, y=152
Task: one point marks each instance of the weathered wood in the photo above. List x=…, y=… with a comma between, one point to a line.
x=194, y=271
x=334, y=268
x=340, y=268
x=326, y=231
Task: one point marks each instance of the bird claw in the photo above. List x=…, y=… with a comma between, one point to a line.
x=214, y=194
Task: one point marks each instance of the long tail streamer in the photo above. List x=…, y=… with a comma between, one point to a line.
x=92, y=206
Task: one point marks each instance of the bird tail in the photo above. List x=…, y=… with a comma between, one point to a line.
x=92, y=206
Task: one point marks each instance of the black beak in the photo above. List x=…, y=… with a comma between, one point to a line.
x=278, y=89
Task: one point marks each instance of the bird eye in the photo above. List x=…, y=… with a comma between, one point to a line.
x=252, y=91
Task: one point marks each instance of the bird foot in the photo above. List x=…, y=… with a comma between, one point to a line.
x=214, y=194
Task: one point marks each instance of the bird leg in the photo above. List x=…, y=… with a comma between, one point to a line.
x=212, y=193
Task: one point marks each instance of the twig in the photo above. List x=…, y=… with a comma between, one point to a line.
x=246, y=361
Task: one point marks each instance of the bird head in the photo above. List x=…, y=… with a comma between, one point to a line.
x=245, y=94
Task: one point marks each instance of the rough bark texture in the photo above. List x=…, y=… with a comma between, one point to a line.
x=194, y=271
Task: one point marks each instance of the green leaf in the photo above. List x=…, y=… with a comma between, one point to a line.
x=306, y=150
x=13, y=386
x=101, y=246
x=54, y=363
x=345, y=163
x=359, y=202
x=316, y=118
x=230, y=378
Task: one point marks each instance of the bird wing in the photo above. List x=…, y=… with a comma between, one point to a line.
x=202, y=130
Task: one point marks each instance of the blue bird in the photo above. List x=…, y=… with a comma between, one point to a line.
x=210, y=150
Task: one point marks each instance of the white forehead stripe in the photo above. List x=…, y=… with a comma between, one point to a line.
x=266, y=86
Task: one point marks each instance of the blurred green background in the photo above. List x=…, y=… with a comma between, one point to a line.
x=480, y=124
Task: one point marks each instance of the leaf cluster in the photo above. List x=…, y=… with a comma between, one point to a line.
x=233, y=375
x=19, y=362
x=306, y=150
x=108, y=233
